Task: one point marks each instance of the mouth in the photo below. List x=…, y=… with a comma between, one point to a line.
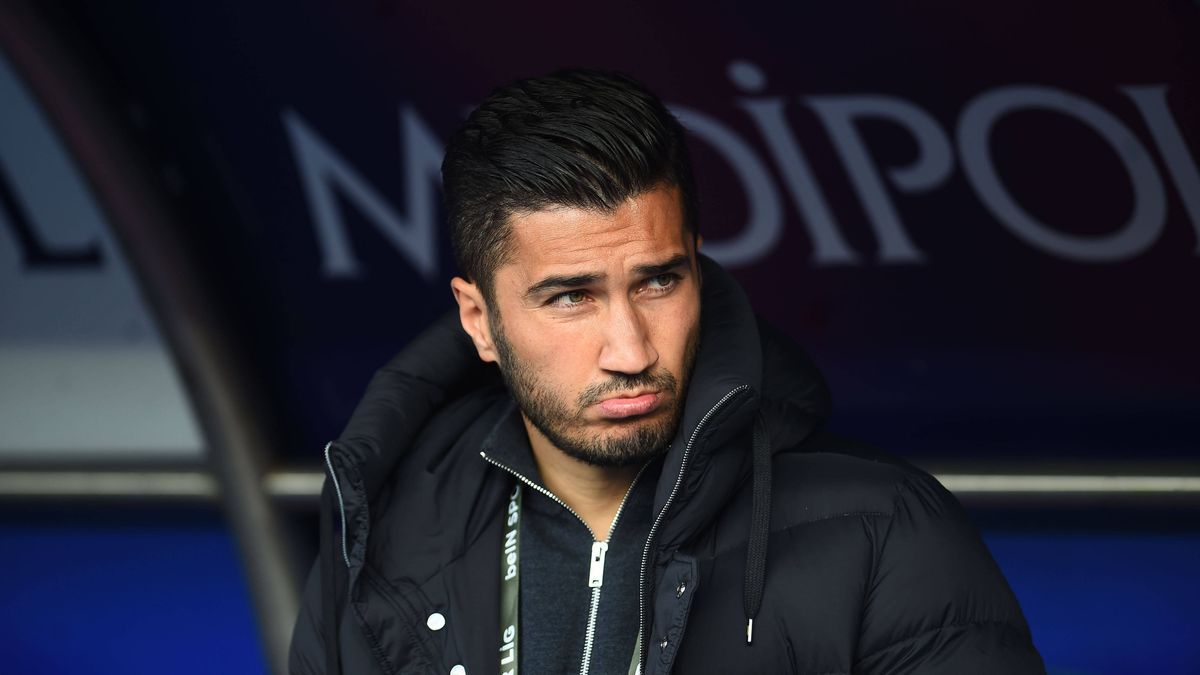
x=632, y=405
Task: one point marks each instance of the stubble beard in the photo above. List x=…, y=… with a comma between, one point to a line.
x=567, y=429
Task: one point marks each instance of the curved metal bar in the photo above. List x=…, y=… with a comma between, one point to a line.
x=145, y=226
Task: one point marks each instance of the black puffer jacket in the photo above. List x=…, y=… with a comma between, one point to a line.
x=847, y=561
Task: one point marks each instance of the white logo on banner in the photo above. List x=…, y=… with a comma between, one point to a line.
x=324, y=170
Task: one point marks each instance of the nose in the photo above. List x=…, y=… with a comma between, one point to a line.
x=627, y=347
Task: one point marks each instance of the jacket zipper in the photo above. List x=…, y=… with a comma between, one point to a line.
x=341, y=505
x=599, y=550
x=687, y=450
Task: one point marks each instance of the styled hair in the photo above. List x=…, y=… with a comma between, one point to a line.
x=577, y=138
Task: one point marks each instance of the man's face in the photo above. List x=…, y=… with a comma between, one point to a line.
x=595, y=322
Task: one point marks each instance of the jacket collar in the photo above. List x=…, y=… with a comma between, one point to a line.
x=722, y=399
x=744, y=369
x=507, y=445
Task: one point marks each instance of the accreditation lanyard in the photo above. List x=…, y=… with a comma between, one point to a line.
x=510, y=585
x=510, y=592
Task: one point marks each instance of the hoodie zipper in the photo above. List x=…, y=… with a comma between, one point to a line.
x=341, y=505
x=687, y=450
x=599, y=550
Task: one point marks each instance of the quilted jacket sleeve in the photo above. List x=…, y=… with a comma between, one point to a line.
x=937, y=602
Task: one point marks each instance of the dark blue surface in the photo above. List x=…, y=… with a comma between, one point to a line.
x=1109, y=603
x=127, y=598
x=135, y=598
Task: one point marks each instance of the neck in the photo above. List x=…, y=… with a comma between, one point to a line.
x=593, y=492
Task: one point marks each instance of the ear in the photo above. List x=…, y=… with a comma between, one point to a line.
x=472, y=311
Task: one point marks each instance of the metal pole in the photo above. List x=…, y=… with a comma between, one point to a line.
x=145, y=225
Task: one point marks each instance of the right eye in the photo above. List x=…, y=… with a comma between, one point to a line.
x=568, y=300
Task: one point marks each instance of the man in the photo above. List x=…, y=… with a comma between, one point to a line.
x=649, y=487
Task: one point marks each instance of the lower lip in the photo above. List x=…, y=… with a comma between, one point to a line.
x=617, y=408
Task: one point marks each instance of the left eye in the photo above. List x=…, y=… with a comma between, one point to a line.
x=661, y=282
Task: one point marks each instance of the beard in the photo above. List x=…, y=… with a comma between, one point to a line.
x=628, y=443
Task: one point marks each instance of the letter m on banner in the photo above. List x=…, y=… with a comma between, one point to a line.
x=323, y=171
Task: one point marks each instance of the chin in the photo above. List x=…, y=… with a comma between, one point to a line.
x=627, y=443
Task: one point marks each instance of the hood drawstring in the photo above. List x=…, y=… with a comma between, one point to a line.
x=333, y=581
x=760, y=527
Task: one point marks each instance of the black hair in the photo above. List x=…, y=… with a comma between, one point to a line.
x=577, y=138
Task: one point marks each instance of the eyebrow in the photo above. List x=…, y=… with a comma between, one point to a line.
x=562, y=282
x=569, y=281
x=681, y=260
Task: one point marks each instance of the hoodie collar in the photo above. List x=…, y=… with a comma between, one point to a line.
x=507, y=445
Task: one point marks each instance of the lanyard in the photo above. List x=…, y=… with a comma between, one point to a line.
x=510, y=592
x=510, y=585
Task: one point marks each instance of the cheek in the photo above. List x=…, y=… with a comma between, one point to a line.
x=672, y=332
x=558, y=355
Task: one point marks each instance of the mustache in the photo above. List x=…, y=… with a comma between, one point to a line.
x=661, y=380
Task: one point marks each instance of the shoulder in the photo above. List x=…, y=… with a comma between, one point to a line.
x=934, y=592
x=829, y=475
x=441, y=466
x=448, y=444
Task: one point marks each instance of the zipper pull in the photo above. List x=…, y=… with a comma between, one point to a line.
x=596, y=576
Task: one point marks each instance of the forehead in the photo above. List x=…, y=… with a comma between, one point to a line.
x=642, y=229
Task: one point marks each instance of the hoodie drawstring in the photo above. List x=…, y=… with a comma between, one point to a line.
x=760, y=526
